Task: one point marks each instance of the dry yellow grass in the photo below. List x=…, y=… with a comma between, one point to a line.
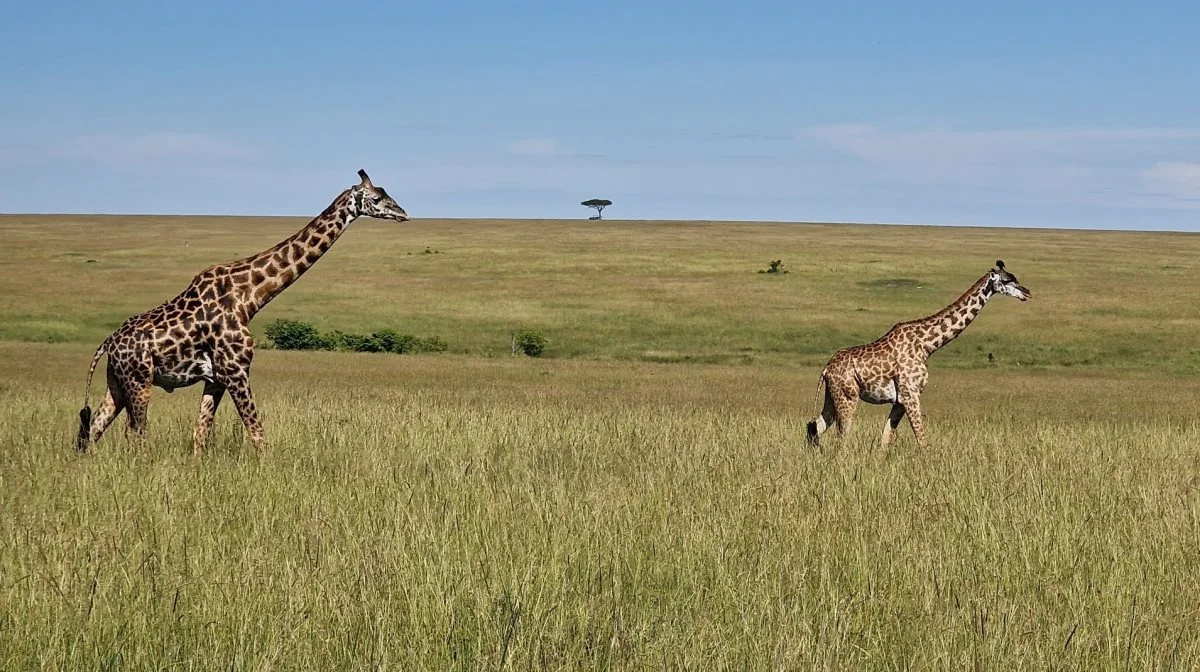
x=591, y=510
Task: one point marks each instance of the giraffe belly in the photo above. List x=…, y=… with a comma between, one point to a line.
x=184, y=373
x=883, y=392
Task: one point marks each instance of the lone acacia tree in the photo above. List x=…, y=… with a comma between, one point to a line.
x=599, y=204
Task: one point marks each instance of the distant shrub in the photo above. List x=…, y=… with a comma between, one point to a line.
x=296, y=335
x=390, y=340
x=775, y=266
x=528, y=342
x=431, y=344
x=353, y=342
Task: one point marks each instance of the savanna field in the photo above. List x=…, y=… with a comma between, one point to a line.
x=640, y=496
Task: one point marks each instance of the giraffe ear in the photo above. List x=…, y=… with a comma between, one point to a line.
x=363, y=174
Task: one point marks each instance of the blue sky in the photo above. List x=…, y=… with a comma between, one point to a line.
x=1011, y=114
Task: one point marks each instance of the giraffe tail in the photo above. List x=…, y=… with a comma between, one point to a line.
x=85, y=413
x=813, y=431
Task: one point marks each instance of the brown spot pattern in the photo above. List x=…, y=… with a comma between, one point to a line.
x=892, y=369
x=203, y=335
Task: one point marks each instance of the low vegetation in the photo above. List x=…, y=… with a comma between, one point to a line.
x=775, y=266
x=638, y=291
x=529, y=342
x=297, y=335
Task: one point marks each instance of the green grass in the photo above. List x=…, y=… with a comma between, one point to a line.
x=633, y=291
x=640, y=497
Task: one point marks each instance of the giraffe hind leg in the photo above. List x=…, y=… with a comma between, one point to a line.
x=844, y=405
x=96, y=423
x=135, y=375
x=841, y=399
x=139, y=406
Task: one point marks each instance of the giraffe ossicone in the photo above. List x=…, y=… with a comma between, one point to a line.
x=892, y=370
x=203, y=334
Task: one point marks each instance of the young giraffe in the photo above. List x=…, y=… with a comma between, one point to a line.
x=203, y=333
x=891, y=370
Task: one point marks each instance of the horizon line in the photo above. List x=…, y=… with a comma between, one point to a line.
x=1007, y=227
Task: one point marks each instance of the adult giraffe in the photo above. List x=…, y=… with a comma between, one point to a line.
x=203, y=333
x=891, y=369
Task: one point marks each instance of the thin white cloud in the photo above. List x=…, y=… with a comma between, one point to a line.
x=1175, y=178
x=1081, y=166
x=152, y=146
x=947, y=145
x=539, y=147
x=191, y=145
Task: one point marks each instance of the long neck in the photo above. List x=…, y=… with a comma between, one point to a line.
x=946, y=324
x=274, y=270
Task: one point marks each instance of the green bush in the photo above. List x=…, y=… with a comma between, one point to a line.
x=529, y=342
x=353, y=342
x=431, y=344
x=390, y=340
x=296, y=335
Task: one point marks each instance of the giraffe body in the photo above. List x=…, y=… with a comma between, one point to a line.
x=892, y=369
x=202, y=335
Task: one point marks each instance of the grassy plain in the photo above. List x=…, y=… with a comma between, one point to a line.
x=640, y=497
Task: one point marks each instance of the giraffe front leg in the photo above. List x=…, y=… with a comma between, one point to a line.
x=910, y=398
x=231, y=362
x=209, y=401
x=893, y=421
x=243, y=401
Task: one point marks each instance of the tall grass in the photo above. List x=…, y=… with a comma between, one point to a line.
x=439, y=512
x=639, y=497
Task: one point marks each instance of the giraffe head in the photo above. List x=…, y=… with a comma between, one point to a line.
x=373, y=201
x=1006, y=283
